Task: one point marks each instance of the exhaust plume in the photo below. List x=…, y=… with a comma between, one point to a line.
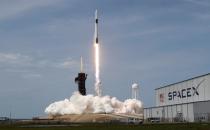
x=97, y=72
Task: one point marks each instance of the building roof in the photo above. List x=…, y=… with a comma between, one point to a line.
x=183, y=81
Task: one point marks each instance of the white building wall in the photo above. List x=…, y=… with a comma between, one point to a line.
x=172, y=112
x=190, y=113
x=165, y=112
x=197, y=89
x=202, y=111
x=147, y=113
x=185, y=112
x=179, y=108
x=157, y=112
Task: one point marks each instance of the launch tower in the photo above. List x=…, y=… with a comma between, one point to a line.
x=80, y=80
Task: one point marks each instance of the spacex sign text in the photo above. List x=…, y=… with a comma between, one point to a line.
x=184, y=93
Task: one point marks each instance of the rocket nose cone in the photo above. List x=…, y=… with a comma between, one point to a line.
x=96, y=14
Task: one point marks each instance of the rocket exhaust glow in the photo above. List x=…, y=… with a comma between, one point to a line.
x=97, y=71
x=97, y=59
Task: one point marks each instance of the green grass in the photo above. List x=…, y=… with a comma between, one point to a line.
x=111, y=127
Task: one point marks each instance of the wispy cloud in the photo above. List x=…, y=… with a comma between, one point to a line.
x=124, y=20
x=11, y=9
x=31, y=67
x=32, y=76
x=150, y=31
x=67, y=63
x=14, y=59
x=199, y=2
x=17, y=60
x=202, y=16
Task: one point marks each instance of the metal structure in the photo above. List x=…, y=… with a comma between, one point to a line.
x=185, y=101
x=80, y=80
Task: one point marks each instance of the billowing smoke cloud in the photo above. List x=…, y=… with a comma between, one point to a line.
x=78, y=104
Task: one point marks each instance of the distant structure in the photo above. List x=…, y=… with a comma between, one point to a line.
x=135, y=91
x=80, y=80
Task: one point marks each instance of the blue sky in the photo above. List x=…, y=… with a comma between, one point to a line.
x=150, y=42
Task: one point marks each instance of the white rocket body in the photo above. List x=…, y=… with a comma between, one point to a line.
x=96, y=27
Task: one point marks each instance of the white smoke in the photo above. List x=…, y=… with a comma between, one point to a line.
x=98, y=87
x=79, y=104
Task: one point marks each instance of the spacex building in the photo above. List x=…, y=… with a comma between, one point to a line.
x=185, y=101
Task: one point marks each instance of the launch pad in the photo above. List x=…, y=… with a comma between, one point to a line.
x=99, y=118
